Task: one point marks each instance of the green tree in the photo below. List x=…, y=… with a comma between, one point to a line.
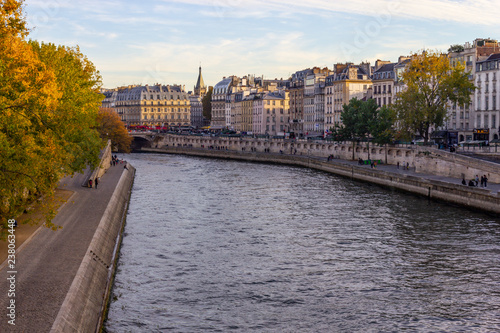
x=365, y=120
x=78, y=107
x=48, y=110
x=382, y=126
x=207, y=104
x=431, y=83
x=456, y=48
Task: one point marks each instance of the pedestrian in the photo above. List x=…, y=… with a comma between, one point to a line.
x=477, y=180
x=407, y=166
x=397, y=165
x=485, y=181
x=482, y=181
x=90, y=183
x=463, y=181
x=96, y=182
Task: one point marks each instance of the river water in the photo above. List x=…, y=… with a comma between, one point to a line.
x=224, y=246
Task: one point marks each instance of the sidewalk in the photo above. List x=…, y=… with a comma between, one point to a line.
x=493, y=187
x=47, y=264
x=29, y=224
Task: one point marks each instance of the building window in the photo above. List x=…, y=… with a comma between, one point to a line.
x=493, y=121
x=478, y=121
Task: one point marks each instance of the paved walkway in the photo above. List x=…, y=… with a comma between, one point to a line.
x=495, y=188
x=47, y=264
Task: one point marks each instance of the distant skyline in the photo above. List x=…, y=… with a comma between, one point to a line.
x=155, y=41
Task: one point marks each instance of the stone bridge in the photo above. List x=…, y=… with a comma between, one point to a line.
x=145, y=139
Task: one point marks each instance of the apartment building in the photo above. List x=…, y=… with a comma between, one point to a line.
x=487, y=97
x=349, y=81
x=383, y=83
x=271, y=113
x=157, y=105
x=464, y=118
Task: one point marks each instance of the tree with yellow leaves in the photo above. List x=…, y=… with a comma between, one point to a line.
x=431, y=82
x=111, y=127
x=49, y=102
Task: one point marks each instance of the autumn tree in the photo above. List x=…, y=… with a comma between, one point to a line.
x=12, y=20
x=111, y=127
x=48, y=110
x=431, y=82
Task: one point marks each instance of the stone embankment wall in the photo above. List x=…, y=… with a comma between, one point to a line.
x=471, y=197
x=82, y=309
x=422, y=159
x=104, y=165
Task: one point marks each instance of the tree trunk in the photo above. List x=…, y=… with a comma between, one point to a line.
x=368, y=148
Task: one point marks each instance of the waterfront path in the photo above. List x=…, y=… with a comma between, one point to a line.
x=493, y=187
x=47, y=264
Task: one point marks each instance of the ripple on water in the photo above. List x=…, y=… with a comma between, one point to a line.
x=219, y=246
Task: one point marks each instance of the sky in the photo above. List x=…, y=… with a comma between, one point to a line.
x=165, y=41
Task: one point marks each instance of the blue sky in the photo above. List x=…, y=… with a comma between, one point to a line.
x=155, y=41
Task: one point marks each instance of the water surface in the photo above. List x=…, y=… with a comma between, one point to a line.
x=216, y=246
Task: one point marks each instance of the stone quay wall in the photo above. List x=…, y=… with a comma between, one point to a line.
x=421, y=159
x=84, y=305
x=470, y=197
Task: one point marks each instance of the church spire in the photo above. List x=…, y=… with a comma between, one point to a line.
x=200, y=88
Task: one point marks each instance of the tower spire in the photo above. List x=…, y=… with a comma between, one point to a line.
x=200, y=89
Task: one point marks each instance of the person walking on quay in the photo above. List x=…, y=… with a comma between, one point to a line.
x=90, y=183
x=96, y=182
x=463, y=181
x=482, y=181
x=485, y=181
x=477, y=180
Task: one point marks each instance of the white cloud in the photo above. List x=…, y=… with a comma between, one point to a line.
x=481, y=12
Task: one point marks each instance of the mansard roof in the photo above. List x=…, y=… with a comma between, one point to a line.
x=494, y=56
x=273, y=95
x=224, y=83
x=386, y=68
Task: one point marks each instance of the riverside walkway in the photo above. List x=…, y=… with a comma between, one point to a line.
x=493, y=187
x=47, y=264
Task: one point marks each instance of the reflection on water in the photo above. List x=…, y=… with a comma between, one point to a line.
x=213, y=245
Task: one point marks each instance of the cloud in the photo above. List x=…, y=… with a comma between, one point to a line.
x=480, y=12
x=174, y=62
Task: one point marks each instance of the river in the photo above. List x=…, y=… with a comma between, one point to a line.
x=213, y=245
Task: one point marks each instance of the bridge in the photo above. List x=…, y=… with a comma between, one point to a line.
x=144, y=139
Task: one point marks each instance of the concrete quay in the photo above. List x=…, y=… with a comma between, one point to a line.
x=436, y=187
x=50, y=264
